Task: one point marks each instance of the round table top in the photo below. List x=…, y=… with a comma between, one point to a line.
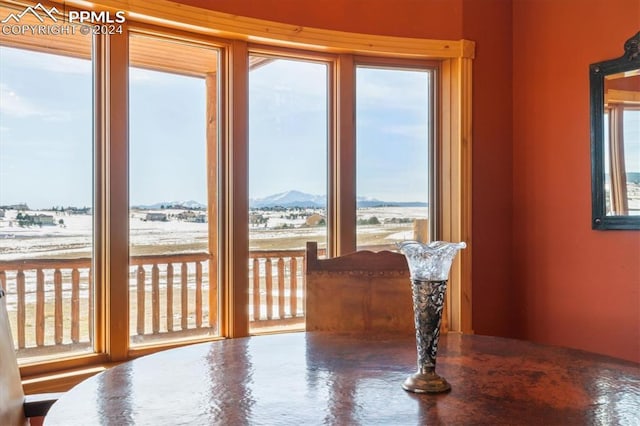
x=327, y=378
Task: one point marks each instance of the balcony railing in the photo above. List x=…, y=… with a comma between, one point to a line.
x=51, y=301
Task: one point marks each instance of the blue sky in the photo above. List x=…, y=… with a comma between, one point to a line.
x=46, y=132
x=42, y=136
x=288, y=131
x=166, y=139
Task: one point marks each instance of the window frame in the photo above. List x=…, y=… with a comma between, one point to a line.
x=236, y=37
x=433, y=68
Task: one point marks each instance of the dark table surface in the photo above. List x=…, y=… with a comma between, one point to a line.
x=333, y=379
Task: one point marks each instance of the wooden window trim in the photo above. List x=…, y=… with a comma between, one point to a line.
x=454, y=151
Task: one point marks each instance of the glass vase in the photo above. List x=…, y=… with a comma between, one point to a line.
x=429, y=265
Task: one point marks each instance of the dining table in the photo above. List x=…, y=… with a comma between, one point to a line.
x=326, y=378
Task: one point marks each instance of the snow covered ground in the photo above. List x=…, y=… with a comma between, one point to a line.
x=73, y=238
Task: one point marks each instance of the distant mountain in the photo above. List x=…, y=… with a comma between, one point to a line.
x=293, y=198
x=289, y=199
x=372, y=202
x=190, y=204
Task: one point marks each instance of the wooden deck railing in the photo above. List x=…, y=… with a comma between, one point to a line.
x=282, y=299
x=44, y=293
x=50, y=301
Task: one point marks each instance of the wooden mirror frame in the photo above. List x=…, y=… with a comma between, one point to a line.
x=597, y=72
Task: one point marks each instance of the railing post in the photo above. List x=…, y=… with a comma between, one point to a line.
x=281, y=313
x=140, y=278
x=293, y=286
x=170, y=297
x=198, y=295
x=57, y=288
x=256, y=289
x=184, y=296
x=21, y=311
x=75, y=305
x=39, y=307
x=90, y=302
x=269, y=289
x=155, y=298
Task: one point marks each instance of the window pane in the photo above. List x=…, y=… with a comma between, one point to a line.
x=607, y=162
x=392, y=155
x=632, y=158
x=622, y=160
x=46, y=191
x=287, y=184
x=172, y=99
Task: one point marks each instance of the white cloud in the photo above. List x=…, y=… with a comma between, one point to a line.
x=14, y=105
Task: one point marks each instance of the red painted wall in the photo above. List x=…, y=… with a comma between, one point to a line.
x=488, y=23
x=578, y=287
x=406, y=18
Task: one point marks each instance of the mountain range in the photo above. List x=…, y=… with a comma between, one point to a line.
x=301, y=199
x=288, y=199
x=190, y=204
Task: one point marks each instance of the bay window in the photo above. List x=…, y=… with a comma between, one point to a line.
x=199, y=118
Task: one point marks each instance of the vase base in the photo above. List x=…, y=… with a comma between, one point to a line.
x=426, y=383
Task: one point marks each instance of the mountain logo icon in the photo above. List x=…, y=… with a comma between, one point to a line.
x=39, y=11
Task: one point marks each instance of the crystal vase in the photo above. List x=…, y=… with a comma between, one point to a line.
x=429, y=265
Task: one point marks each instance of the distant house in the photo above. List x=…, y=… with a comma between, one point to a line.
x=43, y=220
x=19, y=207
x=156, y=217
x=190, y=216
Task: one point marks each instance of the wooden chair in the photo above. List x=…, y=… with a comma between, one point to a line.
x=358, y=292
x=15, y=408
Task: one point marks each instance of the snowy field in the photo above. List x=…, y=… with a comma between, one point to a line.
x=72, y=238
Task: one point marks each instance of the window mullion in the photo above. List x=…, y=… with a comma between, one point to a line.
x=343, y=176
x=112, y=272
x=235, y=233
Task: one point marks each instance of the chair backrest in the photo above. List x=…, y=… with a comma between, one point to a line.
x=358, y=292
x=11, y=393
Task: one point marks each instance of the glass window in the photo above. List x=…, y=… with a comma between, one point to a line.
x=393, y=140
x=46, y=194
x=287, y=184
x=172, y=114
x=284, y=129
x=632, y=157
x=622, y=160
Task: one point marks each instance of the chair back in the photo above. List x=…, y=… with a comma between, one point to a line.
x=358, y=292
x=11, y=393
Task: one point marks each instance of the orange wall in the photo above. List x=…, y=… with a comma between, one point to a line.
x=488, y=23
x=578, y=287
x=406, y=18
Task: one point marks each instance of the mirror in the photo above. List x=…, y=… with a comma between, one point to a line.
x=615, y=140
